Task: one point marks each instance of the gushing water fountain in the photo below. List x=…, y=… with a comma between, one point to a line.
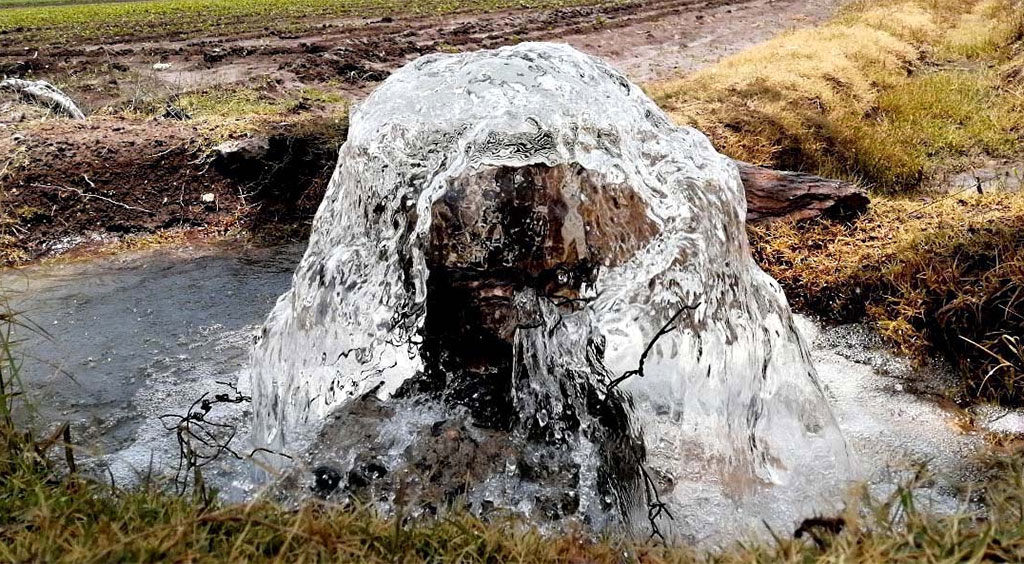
x=528, y=290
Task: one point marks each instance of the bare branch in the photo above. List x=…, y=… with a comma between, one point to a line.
x=87, y=195
x=665, y=329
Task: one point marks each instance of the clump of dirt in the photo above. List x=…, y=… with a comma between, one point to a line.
x=69, y=181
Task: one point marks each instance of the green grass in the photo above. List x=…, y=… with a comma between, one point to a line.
x=112, y=21
x=936, y=120
x=6, y=4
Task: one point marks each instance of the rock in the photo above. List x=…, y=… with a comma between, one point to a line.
x=172, y=111
x=444, y=459
x=242, y=154
x=773, y=194
x=364, y=474
x=214, y=55
x=326, y=480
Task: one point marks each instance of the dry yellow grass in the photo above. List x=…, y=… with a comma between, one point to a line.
x=987, y=28
x=889, y=93
x=828, y=99
x=945, y=276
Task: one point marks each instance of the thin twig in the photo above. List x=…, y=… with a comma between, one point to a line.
x=201, y=441
x=87, y=195
x=665, y=329
x=942, y=199
x=655, y=506
x=69, y=454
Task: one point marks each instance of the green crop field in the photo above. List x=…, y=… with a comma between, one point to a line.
x=67, y=21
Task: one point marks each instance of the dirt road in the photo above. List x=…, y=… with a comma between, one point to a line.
x=647, y=40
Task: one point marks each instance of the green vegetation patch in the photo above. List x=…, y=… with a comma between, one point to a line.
x=941, y=119
x=111, y=21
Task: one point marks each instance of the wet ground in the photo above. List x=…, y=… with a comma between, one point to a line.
x=122, y=341
x=646, y=40
x=133, y=337
x=121, y=172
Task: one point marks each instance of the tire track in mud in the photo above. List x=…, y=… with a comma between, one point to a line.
x=356, y=51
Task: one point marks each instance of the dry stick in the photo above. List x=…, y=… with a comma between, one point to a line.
x=946, y=197
x=655, y=506
x=87, y=195
x=665, y=329
x=69, y=455
x=194, y=432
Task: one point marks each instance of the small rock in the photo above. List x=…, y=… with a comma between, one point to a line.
x=172, y=111
x=240, y=150
x=326, y=480
x=214, y=55
x=362, y=477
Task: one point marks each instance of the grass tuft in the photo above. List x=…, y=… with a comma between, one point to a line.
x=942, y=277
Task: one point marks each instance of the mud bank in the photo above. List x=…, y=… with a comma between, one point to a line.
x=136, y=168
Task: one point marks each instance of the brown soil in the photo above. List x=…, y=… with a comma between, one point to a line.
x=118, y=175
x=111, y=176
x=127, y=176
x=647, y=40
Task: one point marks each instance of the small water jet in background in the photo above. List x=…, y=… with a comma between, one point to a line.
x=528, y=290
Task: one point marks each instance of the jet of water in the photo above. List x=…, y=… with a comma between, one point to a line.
x=523, y=228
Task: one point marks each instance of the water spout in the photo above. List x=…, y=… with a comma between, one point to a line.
x=519, y=251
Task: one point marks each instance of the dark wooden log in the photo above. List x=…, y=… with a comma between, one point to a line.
x=775, y=194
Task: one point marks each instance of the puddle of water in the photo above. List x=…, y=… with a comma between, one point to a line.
x=892, y=431
x=137, y=336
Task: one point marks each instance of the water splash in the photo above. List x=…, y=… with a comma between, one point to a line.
x=509, y=233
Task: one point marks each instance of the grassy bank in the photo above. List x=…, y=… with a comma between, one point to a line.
x=895, y=95
x=945, y=276
x=887, y=93
x=49, y=517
